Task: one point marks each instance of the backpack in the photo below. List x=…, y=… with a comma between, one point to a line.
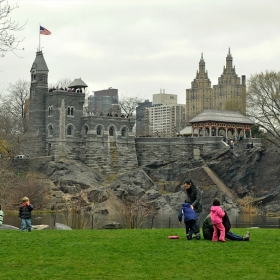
x=226, y=222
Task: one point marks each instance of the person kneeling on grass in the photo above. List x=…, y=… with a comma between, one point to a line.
x=208, y=229
x=189, y=219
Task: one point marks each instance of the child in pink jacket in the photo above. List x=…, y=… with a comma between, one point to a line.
x=217, y=215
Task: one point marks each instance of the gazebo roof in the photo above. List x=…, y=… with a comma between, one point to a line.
x=221, y=116
x=78, y=83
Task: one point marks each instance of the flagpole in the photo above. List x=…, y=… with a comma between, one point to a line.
x=39, y=37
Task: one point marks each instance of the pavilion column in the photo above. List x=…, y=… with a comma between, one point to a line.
x=204, y=131
x=244, y=133
x=250, y=133
x=235, y=130
x=217, y=131
x=210, y=130
x=192, y=131
x=226, y=132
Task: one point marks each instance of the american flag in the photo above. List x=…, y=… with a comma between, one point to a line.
x=44, y=31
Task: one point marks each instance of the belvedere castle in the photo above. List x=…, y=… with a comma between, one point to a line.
x=57, y=129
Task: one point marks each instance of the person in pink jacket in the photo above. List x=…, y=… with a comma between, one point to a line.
x=217, y=214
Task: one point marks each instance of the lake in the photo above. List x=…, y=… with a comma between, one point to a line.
x=158, y=221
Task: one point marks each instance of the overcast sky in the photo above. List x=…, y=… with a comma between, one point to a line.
x=140, y=47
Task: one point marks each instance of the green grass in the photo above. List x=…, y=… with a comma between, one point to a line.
x=137, y=254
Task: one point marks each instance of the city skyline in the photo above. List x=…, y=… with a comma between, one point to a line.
x=140, y=47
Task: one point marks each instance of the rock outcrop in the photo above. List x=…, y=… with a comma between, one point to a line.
x=224, y=173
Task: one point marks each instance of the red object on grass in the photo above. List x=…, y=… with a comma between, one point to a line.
x=173, y=237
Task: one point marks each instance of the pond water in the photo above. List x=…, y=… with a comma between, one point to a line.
x=158, y=221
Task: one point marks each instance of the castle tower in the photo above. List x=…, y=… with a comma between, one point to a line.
x=199, y=96
x=35, y=123
x=230, y=93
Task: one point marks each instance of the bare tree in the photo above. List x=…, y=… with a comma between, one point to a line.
x=128, y=104
x=19, y=93
x=12, y=113
x=62, y=83
x=233, y=104
x=263, y=103
x=8, y=41
x=133, y=211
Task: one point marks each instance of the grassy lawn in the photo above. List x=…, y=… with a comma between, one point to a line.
x=137, y=254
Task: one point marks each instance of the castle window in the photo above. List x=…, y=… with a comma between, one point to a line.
x=124, y=132
x=85, y=130
x=44, y=78
x=70, y=130
x=99, y=130
x=33, y=75
x=70, y=111
x=50, y=130
x=50, y=110
x=111, y=131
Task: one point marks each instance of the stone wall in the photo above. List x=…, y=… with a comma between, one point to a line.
x=152, y=149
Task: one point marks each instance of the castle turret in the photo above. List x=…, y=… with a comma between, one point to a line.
x=36, y=111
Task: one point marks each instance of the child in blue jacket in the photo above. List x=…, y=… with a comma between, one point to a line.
x=189, y=219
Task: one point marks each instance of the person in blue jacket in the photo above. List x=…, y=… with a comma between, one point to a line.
x=189, y=219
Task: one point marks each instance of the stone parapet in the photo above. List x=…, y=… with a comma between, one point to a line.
x=152, y=149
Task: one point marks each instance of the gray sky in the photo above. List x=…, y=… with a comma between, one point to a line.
x=140, y=47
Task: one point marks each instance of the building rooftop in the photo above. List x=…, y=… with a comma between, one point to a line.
x=78, y=83
x=221, y=116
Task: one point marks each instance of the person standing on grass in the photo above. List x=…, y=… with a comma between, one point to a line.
x=189, y=219
x=24, y=213
x=195, y=197
x=1, y=215
x=216, y=215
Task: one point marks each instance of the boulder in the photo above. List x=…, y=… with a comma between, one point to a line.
x=40, y=227
x=59, y=226
x=8, y=227
x=112, y=225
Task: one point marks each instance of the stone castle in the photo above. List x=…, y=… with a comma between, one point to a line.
x=57, y=129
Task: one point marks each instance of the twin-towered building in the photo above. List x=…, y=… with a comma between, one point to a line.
x=164, y=117
x=229, y=94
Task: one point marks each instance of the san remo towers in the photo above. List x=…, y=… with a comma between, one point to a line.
x=229, y=94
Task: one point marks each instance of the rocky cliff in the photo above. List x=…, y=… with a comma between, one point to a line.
x=224, y=173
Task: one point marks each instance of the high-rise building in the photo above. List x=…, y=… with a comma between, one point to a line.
x=165, y=120
x=229, y=94
x=102, y=100
x=164, y=98
x=141, y=129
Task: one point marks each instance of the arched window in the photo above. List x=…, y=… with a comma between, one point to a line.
x=124, y=132
x=50, y=130
x=70, y=111
x=111, y=131
x=70, y=130
x=99, y=130
x=85, y=130
x=50, y=110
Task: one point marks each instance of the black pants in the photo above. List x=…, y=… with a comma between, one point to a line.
x=197, y=222
x=191, y=227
